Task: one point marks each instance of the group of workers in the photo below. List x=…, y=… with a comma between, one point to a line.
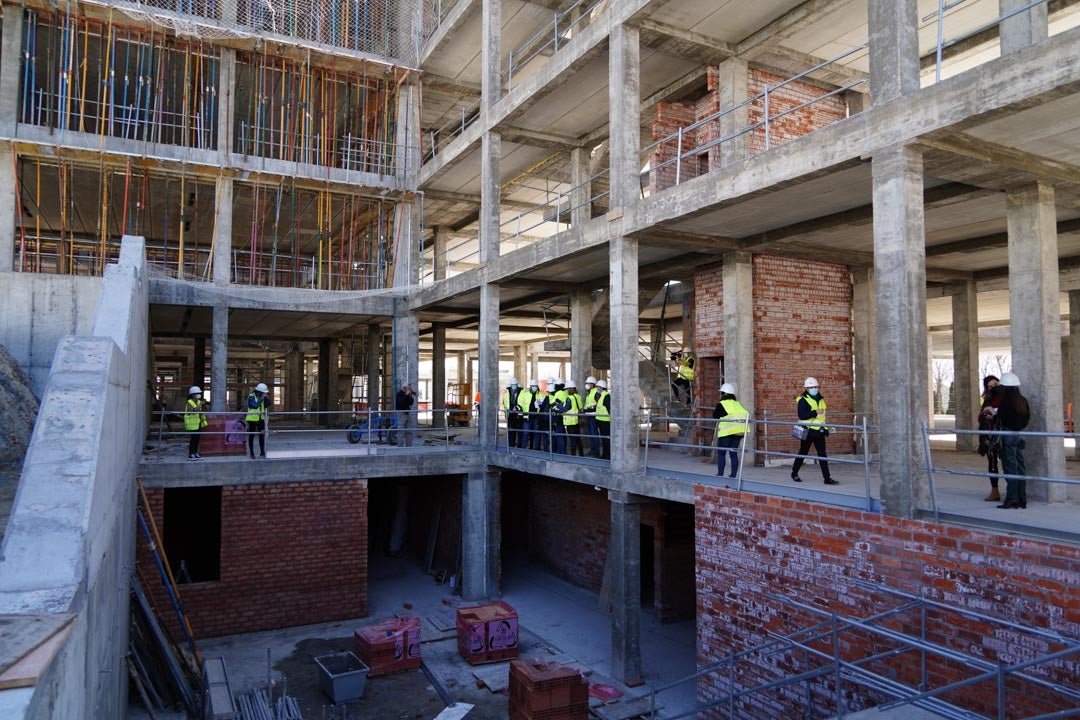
x=552, y=417
x=257, y=406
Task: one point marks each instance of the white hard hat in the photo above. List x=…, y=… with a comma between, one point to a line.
x=194, y=390
x=533, y=382
x=810, y=382
x=590, y=380
x=514, y=381
x=558, y=381
x=1010, y=380
x=552, y=381
x=601, y=384
x=571, y=385
x=261, y=387
x=727, y=388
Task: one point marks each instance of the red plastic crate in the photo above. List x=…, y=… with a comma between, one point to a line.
x=390, y=645
x=487, y=633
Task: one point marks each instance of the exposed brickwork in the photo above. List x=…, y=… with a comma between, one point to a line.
x=750, y=546
x=813, y=117
x=292, y=554
x=802, y=326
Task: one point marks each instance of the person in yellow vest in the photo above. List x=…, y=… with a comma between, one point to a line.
x=512, y=412
x=603, y=419
x=194, y=421
x=540, y=416
x=731, y=423
x=811, y=409
x=525, y=401
x=591, y=394
x=571, y=410
x=258, y=405
x=557, y=402
x=684, y=373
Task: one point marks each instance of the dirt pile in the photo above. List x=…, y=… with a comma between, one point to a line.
x=18, y=410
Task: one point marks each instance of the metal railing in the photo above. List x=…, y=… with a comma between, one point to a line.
x=546, y=433
x=821, y=652
x=555, y=35
x=445, y=134
x=281, y=269
x=932, y=470
x=942, y=44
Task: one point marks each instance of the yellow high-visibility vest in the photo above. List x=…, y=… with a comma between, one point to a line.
x=734, y=422
x=816, y=404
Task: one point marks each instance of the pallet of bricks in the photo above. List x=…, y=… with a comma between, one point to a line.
x=389, y=646
x=487, y=633
x=547, y=691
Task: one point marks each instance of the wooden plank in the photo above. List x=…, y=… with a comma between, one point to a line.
x=28, y=669
x=20, y=634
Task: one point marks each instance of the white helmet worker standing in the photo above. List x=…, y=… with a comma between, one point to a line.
x=194, y=390
x=261, y=387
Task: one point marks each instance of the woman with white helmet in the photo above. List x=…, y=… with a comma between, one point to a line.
x=811, y=408
x=258, y=405
x=731, y=423
x=194, y=421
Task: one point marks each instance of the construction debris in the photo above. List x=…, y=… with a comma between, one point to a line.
x=18, y=410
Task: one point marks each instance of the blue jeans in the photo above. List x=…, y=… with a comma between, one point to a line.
x=729, y=444
x=594, y=435
x=1012, y=463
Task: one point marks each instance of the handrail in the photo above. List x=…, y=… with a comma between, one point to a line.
x=555, y=36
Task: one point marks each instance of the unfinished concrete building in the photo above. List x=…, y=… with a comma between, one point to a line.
x=339, y=199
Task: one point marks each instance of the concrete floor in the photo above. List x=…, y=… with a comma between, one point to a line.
x=555, y=618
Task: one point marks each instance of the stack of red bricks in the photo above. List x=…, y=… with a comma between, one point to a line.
x=389, y=646
x=487, y=633
x=547, y=691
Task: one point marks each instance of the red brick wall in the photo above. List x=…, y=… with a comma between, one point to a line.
x=669, y=118
x=569, y=529
x=802, y=326
x=291, y=554
x=796, y=124
x=750, y=546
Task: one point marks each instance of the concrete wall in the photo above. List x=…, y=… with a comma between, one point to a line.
x=39, y=310
x=749, y=547
x=69, y=545
x=291, y=554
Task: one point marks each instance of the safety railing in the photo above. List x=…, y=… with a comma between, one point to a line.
x=439, y=138
x=300, y=145
x=464, y=254
x=1012, y=443
x=553, y=36
x=432, y=15
x=657, y=173
x=312, y=432
x=269, y=269
x=546, y=432
x=939, y=16
x=763, y=430
x=914, y=634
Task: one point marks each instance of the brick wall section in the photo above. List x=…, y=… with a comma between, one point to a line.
x=802, y=326
x=813, y=117
x=292, y=554
x=670, y=117
x=749, y=546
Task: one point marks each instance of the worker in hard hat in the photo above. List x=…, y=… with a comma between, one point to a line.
x=540, y=416
x=512, y=412
x=684, y=373
x=525, y=401
x=731, y=419
x=591, y=394
x=603, y=418
x=810, y=406
x=1013, y=414
x=194, y=421
x=571, y=417
x=558, y=401
x=258, y=406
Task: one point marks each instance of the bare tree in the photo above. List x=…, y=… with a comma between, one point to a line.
x=943, y=375
x=996, y=365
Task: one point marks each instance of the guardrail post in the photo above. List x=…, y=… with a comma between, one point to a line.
x=866, y=463
x=767, y=144
x=678, y=159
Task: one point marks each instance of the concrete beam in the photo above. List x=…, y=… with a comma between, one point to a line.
x=536, y=138
x=450, y=26
x=683, y=43
x=433, y=82
x=166, y=291
x=1036, y=166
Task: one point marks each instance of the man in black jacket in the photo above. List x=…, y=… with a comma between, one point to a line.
x=403, y=403
x=1013, y=414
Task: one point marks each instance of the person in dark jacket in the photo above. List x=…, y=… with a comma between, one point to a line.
x=990, y=444
x=403, y=403
x=1013, y=415
x=811, y=409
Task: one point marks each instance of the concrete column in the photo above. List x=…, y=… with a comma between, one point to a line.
x=1074, y=360
x=8, y=211
x=438, y=376
x=10, y=67
x=1017, y=32
x=294, y=381
x=581, y=192
x=1035, y=327
x=534, y=367
x=490, y=192
x=438, y=239
x=965, y=334
x=325, y=368
x=462, y=371
x=198, y=375
x=581, y=340
x=856, y=102
x=624, y=102
x=738, y=282
x=900, y=280
x=864, y=326
x=625, y=548
x=521, y=364
x=406, y=348
x=480, y=536
x=490, y=56
x=407, y=157
x=219, y=360
x=226, y=100
x=733, y=87
x=374, y=353
x=408, y=227
x=894, y=49
x=223, y=231
x=626, y=392
x=489, y=366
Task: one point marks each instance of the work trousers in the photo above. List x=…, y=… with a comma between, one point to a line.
x=815, y=438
